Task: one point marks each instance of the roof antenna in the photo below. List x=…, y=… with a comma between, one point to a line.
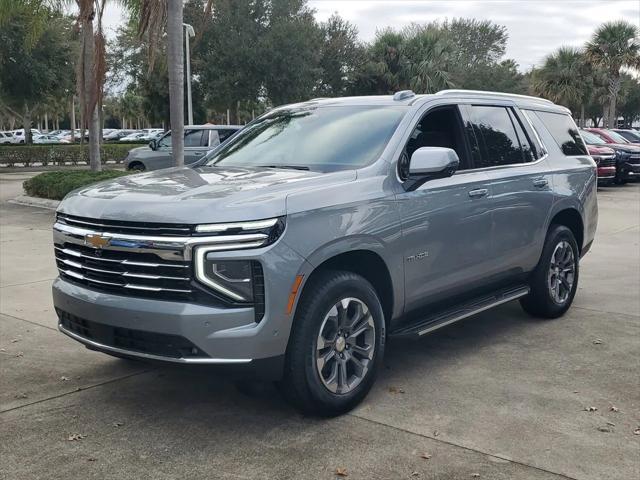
x=402, y=94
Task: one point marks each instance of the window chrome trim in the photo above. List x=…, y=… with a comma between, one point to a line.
x=149, y=356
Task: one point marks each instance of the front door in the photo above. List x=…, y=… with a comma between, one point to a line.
x=446, y=223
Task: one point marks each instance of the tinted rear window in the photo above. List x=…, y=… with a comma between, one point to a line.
x=564, y=131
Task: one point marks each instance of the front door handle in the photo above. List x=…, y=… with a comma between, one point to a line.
x=540, y=183
x=478, y=193
x=199, y=153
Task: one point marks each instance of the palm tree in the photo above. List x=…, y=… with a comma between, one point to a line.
x=427, y=51
x=614, y=45
x=152, y=16
x=561, y=79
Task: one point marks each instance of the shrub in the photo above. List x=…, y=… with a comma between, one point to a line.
x=55, y=185
x=27, y=155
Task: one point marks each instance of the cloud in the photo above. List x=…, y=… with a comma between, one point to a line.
x=536, y=28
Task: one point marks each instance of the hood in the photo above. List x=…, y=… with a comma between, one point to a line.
x=196, y=195
x=624, y=147
x=600, y=150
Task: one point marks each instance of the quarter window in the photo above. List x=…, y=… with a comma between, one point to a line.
x=500, y=139
x=564, y=131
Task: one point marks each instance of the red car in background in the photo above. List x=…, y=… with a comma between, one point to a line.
x=631, y=136
x=627, y=154
x=605, y=159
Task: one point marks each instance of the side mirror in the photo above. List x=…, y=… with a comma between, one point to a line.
x=433, y=162
x=153, y=145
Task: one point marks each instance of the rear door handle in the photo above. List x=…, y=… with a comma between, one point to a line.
x=199, y=153
x=478, y=193
x=540, y=183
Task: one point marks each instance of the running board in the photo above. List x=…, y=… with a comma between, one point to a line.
x=459, y=312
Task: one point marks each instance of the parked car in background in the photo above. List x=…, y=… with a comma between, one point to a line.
x=134, y=137
x=322, y=229
x=118, y=134
x=6, y=137
x=605, y=159
x=198, y=141
x=609, y=136
x=627, y=154
x=631, y=136
x=152, y=133
x=18, y=135
x=44, y=138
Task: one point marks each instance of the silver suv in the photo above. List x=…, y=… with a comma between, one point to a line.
x=198, y=141
x=325, y=228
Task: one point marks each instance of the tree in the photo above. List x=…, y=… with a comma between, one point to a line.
x=427, y=55
x=561, y=79
x=341, y=56
x=384, y=69
x=629, y=106
x=614, y=45
x=175, y=64
x=33, y=70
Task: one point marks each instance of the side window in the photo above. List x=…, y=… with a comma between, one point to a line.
x=564, y=131
x=498, y=142
x=440, y=127
x=224, y=134
x=527, y=148
x=193, y=138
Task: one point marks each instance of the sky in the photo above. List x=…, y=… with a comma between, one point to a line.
x=536, y=27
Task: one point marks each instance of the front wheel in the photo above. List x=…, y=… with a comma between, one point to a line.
x=336, y=344
x=555, y=280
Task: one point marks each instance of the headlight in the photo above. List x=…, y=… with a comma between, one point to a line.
x=235, y=279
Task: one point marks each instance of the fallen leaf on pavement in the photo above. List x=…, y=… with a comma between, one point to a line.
x=426, y=456
x=636, y=431
x=590, y=409
x=19, y=354
x=597, y=341
x=64, y=379
x=415, y=474
x=118, y=424
x=91, y=459
x=604, y=429
x=75, y=437
x=395, y=390
x=614, y=409
x=611, y=424
x=20, y=395
x=15, y=340
x=436, y=433
x=475, y=475
x=341, y=472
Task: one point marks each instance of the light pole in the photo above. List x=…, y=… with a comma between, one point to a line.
x=188, y=32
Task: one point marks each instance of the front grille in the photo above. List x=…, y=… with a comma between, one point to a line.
x=144, y=274
x=634, y=159
x=133, y=228
x=607, y=161
x=160, y=344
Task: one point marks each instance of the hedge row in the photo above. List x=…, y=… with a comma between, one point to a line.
x=28, y=155
x=55, y=185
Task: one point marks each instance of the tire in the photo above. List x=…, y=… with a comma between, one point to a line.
x=550, y=298
x=137, y=167
x=323, y=391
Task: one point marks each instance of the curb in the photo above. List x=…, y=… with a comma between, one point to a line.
x=35, y=202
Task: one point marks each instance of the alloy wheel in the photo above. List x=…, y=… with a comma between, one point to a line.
x=561, y=274
x=345, y=345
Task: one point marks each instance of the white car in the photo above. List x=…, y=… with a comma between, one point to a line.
x=6, y=137
x=18, y=135
x=134, y=137
x=48, y=139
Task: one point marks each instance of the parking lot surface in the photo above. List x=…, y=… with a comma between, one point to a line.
x=498, y=396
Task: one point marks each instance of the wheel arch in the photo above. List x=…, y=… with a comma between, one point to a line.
x=572, y=219
x=368, y=264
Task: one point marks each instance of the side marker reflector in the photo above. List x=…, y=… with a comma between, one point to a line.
x=294, y=293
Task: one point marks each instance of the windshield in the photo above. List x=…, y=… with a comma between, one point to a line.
x=323, y=139
x=591, y=138
x=616, y=137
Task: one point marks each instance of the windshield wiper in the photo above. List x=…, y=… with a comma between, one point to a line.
x=290, y=167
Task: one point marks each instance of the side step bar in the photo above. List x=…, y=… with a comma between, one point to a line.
x=459, y=312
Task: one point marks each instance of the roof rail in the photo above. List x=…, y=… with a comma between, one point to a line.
x=482, y=93
x=403, y=94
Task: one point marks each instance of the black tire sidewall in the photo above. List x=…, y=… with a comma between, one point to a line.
x=317, y=300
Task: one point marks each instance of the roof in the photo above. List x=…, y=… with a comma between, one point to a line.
x=408, y=98
x=211, y=126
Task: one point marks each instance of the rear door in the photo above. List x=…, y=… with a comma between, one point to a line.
x=520, y=183
x=195, y=144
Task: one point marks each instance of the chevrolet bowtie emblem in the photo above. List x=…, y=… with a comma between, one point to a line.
x=96, y=241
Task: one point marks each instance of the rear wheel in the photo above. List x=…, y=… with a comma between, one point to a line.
x=336, y=344
x=137, y=167
x=555, y=280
